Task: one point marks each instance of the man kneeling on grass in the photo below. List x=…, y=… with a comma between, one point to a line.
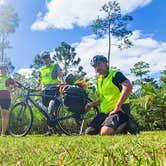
x=113, y=91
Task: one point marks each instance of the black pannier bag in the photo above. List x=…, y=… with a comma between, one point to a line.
x=75, y=98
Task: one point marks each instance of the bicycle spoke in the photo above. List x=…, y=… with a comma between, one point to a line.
x=20, y=120
x=76, y=124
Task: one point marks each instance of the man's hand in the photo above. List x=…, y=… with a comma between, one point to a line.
x=39, y=88
x=91, y=104
x=112, y=113
x=88, y=106
x=115, y=110
x=125, y=93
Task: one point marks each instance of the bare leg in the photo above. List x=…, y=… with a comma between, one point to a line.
x=105, y=130
x=5, y=120
x=120, y=128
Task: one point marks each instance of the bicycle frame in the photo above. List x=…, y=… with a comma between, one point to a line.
x=53, y=120
x=29, y=100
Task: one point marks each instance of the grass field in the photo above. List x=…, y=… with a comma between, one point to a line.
x=147, y=148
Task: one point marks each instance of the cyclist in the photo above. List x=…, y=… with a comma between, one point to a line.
x=51, y=74
x=113, y=90
x=6, y=84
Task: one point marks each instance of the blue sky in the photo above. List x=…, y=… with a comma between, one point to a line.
x=45, y=24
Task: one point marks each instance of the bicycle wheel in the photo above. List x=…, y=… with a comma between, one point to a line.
x=76, y=123
x=20, y=119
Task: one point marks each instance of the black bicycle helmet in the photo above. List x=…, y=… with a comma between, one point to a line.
x=98, y=58
x=45, y=54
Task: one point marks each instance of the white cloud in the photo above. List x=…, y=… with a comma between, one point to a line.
x=27, y=72
x=65, y=14
x=2, y=2
x=130, y=5
x=144, y=49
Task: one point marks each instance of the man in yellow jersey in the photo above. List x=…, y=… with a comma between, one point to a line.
x=6, y=84
x=113, y=90
x=51, y=75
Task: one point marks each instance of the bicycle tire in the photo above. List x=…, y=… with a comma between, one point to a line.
x=72, y=125
x=20, y=119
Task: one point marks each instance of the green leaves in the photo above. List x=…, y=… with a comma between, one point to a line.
x=148, y=103
x=140, y=68
x=8, y=20
x=8, y=24
x=113, y=23
x=37, y=62
x=163, y=77
x=66, y=56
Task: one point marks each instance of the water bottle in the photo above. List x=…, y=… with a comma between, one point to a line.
x=51, y=107
x=41, y=106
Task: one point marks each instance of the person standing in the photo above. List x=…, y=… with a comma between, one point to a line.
x=51, y=75
x=6, y=84
x=113, y=90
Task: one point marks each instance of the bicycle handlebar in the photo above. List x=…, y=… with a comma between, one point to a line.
x=23, y=87
x=34, y=90
x=19, y=85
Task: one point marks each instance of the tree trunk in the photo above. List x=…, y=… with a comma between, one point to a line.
x=2, y=49
x=109, y=44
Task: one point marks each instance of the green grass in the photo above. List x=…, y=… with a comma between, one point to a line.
x=148, y=148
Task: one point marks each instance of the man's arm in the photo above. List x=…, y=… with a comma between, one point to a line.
x=39, y=87
x=92, y=104
x=60, y=75
x=125, y=93
x=57, y=72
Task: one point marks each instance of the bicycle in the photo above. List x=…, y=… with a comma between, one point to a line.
x=70, y=123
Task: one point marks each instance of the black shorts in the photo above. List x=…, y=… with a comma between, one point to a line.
x=46, y=100
x=113, y=121
x=5, y=103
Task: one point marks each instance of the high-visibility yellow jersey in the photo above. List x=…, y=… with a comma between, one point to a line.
x=3, y=82
x=108, y=92
x=46, y=75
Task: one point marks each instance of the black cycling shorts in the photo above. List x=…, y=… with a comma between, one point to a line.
x=113, y=121
x=5, y=103
x=46, y=99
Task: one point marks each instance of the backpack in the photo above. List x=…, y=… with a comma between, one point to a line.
x=75, y=98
